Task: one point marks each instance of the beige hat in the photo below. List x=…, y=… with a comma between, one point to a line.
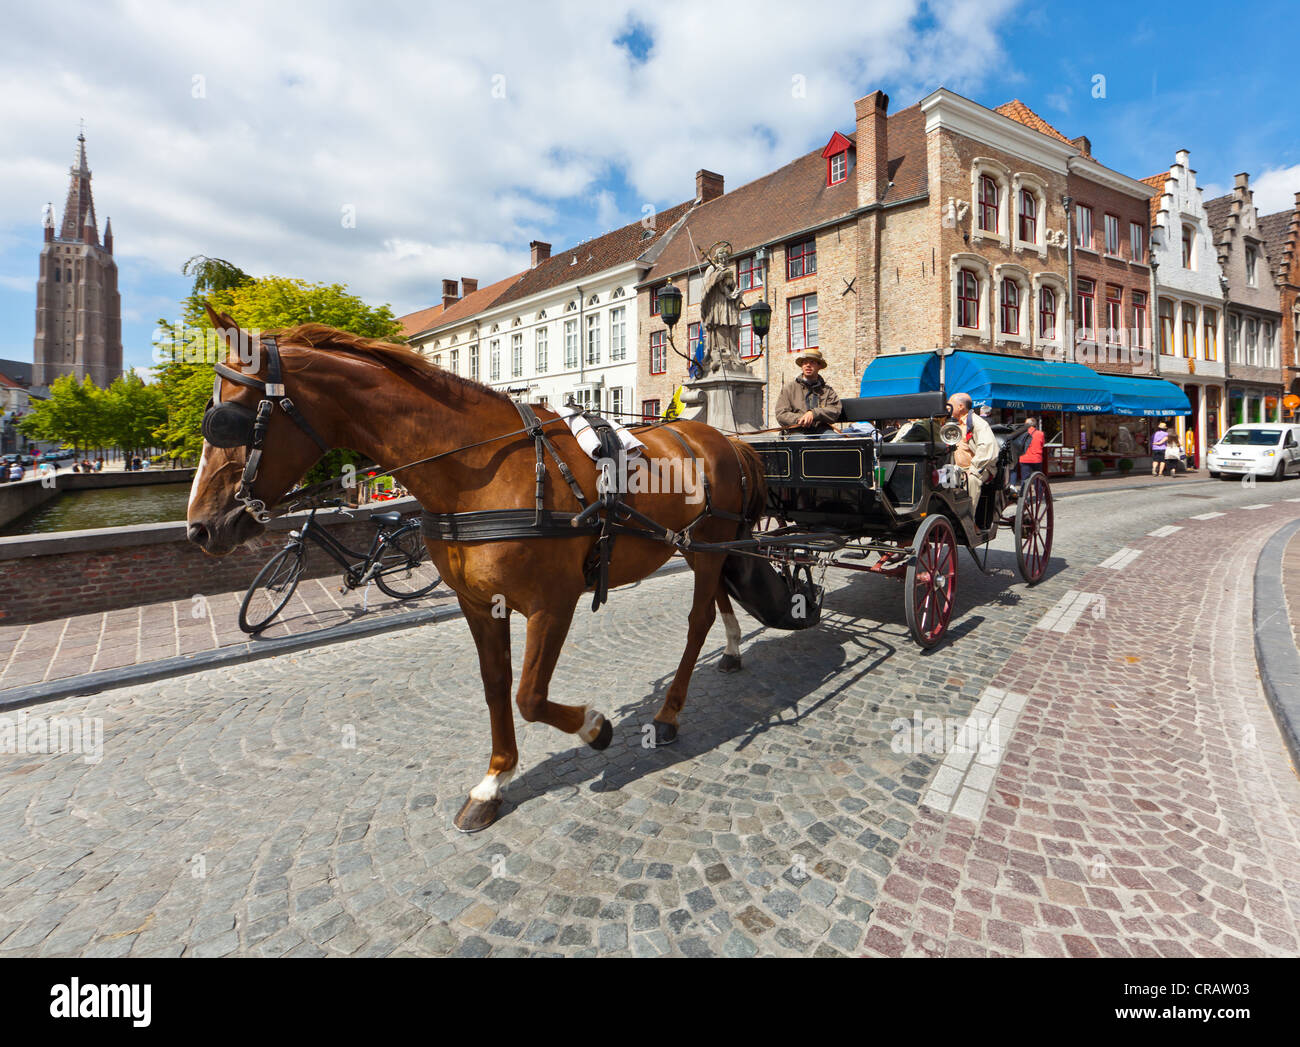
x=811, y=354
x=1162, y=426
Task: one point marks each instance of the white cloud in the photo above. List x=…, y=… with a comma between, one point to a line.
x=1275, y=189
x=455, y=134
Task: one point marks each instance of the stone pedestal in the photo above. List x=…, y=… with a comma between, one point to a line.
x=728, y=399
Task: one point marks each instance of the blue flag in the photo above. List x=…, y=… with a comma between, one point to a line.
x=696, y=368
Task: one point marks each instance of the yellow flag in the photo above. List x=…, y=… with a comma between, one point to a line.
x=675, y=406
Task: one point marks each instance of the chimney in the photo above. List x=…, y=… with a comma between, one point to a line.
x=449, y=294
x=1083, y=145
x=708, y=186
x=468, y=285
x=872, y=147
x=541, y=252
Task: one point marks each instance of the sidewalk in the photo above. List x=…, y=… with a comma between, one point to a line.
x=42, y=652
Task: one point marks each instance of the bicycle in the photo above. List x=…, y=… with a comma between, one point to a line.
x=397, y=561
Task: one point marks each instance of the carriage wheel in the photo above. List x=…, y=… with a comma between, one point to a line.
x=1034, y=528
x=931, y=583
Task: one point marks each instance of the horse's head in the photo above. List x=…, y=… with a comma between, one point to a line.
x=237, y=480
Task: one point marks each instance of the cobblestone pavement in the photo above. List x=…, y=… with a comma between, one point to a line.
x=1136, y=800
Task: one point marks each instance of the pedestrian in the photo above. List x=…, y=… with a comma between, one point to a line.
x=1031, y=458
x=1159, y=441
x=15, y=471
x=1173, y=456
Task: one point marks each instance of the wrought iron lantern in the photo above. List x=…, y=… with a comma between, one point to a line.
x=670, y=304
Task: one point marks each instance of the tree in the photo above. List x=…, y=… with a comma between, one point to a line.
x=74, y=414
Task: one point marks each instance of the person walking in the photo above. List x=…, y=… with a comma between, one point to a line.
x=1031, y=458
x=1159, y=441
x=1174, y=457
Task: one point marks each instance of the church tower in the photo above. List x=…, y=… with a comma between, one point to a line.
x=78, y=309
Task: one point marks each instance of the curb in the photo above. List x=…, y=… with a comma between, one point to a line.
x=1275, y=645
x=249, y=651
x=1057, y=495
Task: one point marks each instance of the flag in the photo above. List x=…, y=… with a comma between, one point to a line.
x=675, y=406
x=696, y=368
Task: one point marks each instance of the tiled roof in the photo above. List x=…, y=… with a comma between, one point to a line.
x=475, y=302
x=8, y=382
x=1156, y=182
x=1276, y=231
x=795, y=197
x=1022, y=114
x=420, y=320
x=617, y=248
x=1217, y=211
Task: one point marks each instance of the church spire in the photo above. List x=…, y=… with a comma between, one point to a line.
x=79, y=212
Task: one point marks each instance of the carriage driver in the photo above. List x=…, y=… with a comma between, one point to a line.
x=808, y=403
x=978, y=450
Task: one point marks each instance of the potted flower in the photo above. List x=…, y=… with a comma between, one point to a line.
x=1095, y=467
x=1125, y=466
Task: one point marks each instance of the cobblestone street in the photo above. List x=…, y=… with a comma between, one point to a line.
x=1137, y=799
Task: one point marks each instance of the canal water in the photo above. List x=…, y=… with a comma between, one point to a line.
x=109, y=507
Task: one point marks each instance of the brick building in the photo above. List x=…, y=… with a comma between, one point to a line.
x=1253, y=311
x=78, y=308
x=1281, y=231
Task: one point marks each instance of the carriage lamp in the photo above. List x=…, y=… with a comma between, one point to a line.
x=670, y=304
x=760, y=316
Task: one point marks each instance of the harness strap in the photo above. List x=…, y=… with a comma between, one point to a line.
x=490, y=525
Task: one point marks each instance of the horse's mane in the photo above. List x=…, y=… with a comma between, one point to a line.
x=390, y=354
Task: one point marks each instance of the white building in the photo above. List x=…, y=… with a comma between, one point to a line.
x=565, y=328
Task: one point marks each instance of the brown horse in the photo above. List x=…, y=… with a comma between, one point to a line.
x=391, y=404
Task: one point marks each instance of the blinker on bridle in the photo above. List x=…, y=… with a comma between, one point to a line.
x=234, y=425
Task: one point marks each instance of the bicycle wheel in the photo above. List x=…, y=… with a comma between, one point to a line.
x=271, y=589
x=405, y=570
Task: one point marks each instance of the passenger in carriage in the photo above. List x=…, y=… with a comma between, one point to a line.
x=808, y=404
x=978, y=449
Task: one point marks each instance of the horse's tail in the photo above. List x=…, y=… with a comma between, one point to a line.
x=751, y=465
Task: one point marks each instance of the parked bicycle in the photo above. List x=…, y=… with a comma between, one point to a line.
x=398, y=562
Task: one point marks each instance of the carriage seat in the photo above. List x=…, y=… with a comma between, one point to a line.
x=904, y=450
x=903, y=405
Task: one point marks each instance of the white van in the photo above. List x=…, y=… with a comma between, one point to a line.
x=1270, y=450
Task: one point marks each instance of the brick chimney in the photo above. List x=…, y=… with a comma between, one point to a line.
x=468, y=285
x=1083, y=144
x=708, y=186
x=449, y=294
x=541, y=252
x=872, y=147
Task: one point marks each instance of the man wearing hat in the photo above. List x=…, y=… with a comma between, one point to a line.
x=808, y=404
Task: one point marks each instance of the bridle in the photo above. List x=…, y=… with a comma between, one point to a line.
x=228, y=424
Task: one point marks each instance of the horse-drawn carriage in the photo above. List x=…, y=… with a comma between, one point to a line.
x=894, y=498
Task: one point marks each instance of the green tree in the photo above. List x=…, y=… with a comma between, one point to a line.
x=133, y=413
x=75, y=414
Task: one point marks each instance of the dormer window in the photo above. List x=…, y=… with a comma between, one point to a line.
x=838, y=155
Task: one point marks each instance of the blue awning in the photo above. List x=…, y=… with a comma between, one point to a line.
x=1144, y=397
x=992, y=379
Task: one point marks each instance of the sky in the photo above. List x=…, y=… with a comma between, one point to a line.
x=387, y=146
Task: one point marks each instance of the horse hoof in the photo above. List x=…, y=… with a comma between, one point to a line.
x=477, y=815
x=665, y=733
x=603, y=737
x=729, y=663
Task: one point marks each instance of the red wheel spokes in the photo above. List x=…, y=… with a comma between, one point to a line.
x=934, y=583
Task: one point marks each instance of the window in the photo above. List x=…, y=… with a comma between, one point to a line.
x=1234, y=338
x=454, y=362
x=1139, y=319
x=749, y=274
x=437, y=359
x=803, y=323
x=968, y=299
x=749, y=344
x=1083, y=226
x=1166, y=327
x=58, y=275
x=1137, y=241
x=1114, y=311
x=658, y=353
x=473, y=361
x=839, y=167
x=616, y=401
x=1047, y=313
x=1010, y=306
x=618, y=333
x=654, y=299
x=1269, y=345
x=494, y=356
x=1189, y=332
x=692, y=338
x=1210, y=322
x=1189, y=245
x=593, y=339
x=649, y=410
x=1028, y=217
x=801, y=259
x=1112, y=233
x=1086, y=320
x=1252, y=258
x=1252, y=341
x=988, y=202
x=541, y=343
x=516, y=355
x=570, y=344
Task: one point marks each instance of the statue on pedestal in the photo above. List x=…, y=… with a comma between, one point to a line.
x=720, y=311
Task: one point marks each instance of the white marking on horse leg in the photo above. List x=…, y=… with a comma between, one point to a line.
x=492, y=784
x=198, y=476
x=591, y=725
x=732, y=627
